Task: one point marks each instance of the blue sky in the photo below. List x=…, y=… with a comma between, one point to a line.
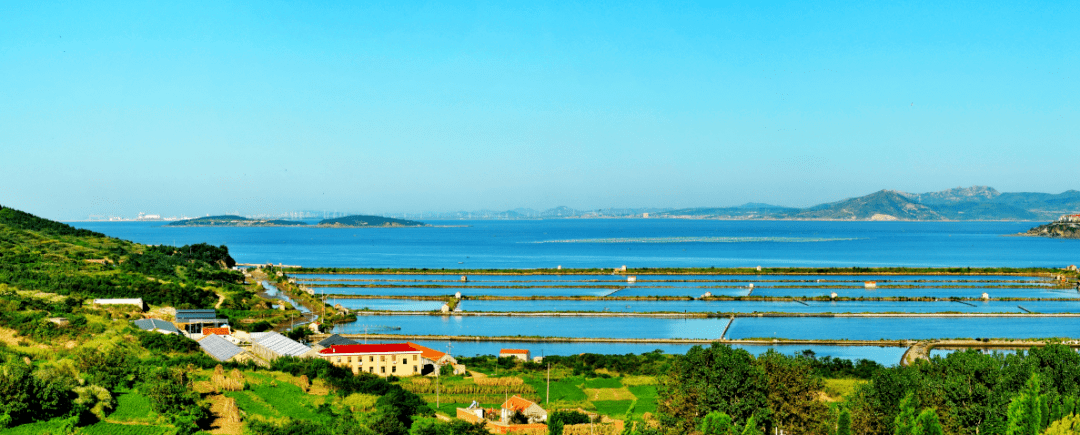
x=210, y=107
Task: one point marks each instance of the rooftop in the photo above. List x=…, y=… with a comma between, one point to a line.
x=279, y=344
x=219, y=348
x=370, y=348
x=152, y=324
x=513, y=351
x=427, y=352
x=517, y=404
x=335, y=340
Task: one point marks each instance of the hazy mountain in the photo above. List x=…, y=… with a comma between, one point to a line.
x=961, y=203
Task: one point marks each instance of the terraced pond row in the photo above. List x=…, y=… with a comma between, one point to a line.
x=811, y=328
x=617, y=306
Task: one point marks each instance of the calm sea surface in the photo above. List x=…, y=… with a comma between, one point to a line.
x=630, y=242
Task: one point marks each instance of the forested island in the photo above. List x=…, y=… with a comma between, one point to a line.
x=1065, y=227
x=234, y=221
x=358, y=221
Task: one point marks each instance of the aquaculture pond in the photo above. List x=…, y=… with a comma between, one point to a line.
x=902, y=328
x=714, y=306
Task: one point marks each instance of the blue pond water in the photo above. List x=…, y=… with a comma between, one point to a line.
x=718, y=306
x=876, y=328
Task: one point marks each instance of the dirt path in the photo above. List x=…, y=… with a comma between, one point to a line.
x=220, y=300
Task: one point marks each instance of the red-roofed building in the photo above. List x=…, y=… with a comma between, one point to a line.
x=521, y=354
x=517, y=405
x=217, y=331
x=391, y=359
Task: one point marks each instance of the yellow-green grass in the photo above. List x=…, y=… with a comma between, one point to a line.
x=840, y=388
x=603, y=383
x=639, y=380
x=594, y=394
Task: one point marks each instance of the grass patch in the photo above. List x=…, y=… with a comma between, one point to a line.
x=840, y=388
x=612, y=408
x=106, y=428
x=135, y=407
x=603, y=383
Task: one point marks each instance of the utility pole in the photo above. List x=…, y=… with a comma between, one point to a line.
x=547, y=400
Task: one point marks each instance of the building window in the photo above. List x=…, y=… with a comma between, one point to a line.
x=404, y=361
x=371, y=370
x=371, y=358
x=339, y=359
x=382, y=357
x=414, y=369
x=382, y=369
x=393, y=369
x=414, y=357
x=349, y=359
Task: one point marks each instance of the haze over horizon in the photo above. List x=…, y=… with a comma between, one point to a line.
x=114, y=108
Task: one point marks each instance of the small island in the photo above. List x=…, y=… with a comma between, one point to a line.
x=234, y=221
x=1065, y=227
x=358, y=221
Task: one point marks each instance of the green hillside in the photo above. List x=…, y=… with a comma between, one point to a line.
x=233, y=221
x=369, y=221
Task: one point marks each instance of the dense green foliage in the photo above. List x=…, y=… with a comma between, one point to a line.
x=649, y=363
x=369, y=221
x=42, y=255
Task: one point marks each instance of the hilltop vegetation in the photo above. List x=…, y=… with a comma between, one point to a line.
x=1066, y=227
x=368, y=221
x=233, y=221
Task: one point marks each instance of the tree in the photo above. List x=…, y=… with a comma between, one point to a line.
x=792, y=392
x=717, y=423
x=927, y=423
x=843, y=423
x=716, y=378
x=905, y=420
x=1026, y=410
x=751, y=427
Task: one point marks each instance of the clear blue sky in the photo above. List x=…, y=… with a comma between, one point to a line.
x=211, y=107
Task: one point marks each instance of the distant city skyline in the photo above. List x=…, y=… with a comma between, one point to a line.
x=113, y=108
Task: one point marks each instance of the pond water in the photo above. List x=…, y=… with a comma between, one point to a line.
x=889, y=328
x=697, y=306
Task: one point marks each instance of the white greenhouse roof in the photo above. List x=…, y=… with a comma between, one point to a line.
x=279, y=344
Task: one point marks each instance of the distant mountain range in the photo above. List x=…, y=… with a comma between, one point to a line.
x=960, y=204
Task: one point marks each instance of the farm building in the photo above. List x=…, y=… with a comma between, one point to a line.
x=517, y=405
x=521, y=354
x=397, y=359
x=156, y=325
x=220, y=349
x=432, y=358
x=138, y=302
x=193, y=321
x=271, y=346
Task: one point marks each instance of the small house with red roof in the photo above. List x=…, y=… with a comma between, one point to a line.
x=390, y=359
x=521, y=354
x=518, y=406
x=217, y=331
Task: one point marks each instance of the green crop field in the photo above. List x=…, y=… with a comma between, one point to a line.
x=562, y=390
x=646, y=398
x=613, y=408
x=54, y=426
x=105, y=428
x=133, y=407
x=276, y=398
